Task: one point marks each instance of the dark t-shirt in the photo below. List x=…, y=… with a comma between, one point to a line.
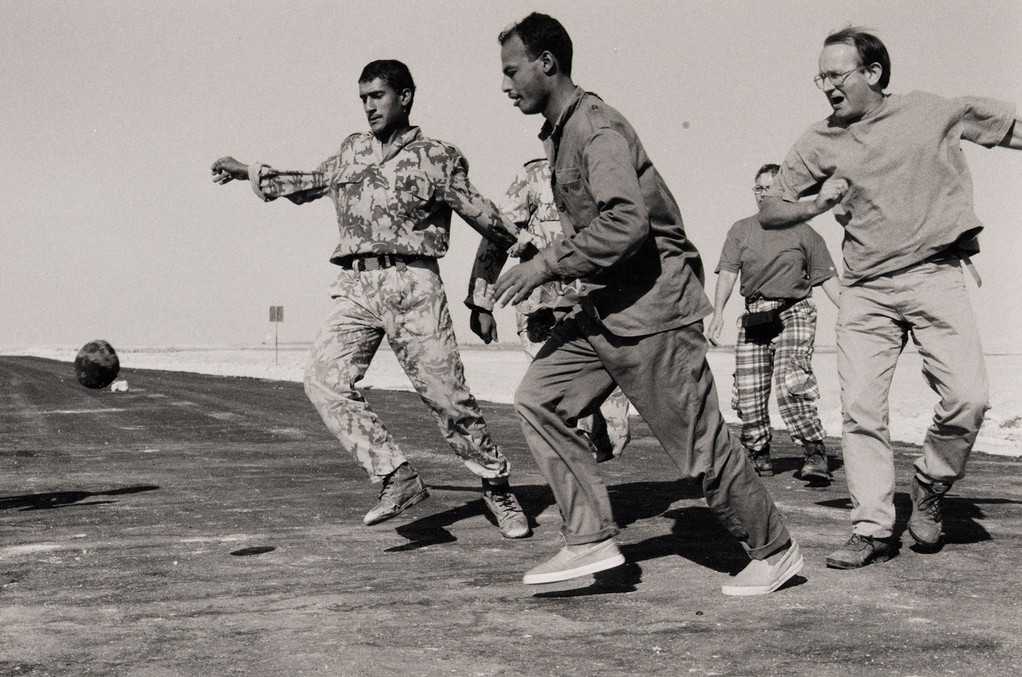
x=780, y=263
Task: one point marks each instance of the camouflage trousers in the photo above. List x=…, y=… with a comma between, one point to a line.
x=407, y=304
x=608, y=427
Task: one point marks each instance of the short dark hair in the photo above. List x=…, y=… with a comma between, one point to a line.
x=870, y=48
x=391, y=71
x=771, y=169
x=542, y=33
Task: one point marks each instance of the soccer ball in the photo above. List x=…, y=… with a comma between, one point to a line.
x=96, y=365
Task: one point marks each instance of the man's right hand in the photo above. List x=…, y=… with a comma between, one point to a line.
x=483, y=325
x=713, y=331
x=227, y=169
x=831, y=192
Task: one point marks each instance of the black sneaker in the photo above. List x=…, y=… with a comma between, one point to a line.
x=926, y=523
x=860, y=551
x=815, y=466
x=761, y=461
x=402, y=489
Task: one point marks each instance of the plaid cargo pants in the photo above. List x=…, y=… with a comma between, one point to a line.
x=787, y=358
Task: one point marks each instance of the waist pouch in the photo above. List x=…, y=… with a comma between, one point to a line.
x=763, y=326
x=762, y=319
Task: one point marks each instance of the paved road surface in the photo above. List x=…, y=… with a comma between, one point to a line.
x=201, y=525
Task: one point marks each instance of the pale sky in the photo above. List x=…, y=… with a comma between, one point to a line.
x=114, y=111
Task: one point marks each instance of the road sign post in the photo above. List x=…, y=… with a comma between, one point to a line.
x=276, y=317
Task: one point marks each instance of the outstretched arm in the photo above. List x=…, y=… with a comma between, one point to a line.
x=725, y=285
x=269, y=184
x=477, y=211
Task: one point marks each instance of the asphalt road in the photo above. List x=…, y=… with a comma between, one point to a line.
x=200, y=525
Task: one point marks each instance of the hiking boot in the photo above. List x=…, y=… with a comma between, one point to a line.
x=761, y=462
x=926, y=521
x=815, y=465
x=402, y=489
x=499, y=500
x=760, y=577
x=860, y=551
x=576, y=560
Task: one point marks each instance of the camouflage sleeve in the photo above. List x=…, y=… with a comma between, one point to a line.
x=516, y=206
x=489, y=261
x=299, y=187
x=477, y=211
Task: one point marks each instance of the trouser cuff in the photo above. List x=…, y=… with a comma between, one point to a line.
x=776, y=543
x=582, y=539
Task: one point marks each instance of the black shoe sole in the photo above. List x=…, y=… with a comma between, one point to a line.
x=839, y=564
x=925, y=544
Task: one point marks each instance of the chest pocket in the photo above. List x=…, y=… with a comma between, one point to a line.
x=415, y=193
x=572, y=198
x=347, y=181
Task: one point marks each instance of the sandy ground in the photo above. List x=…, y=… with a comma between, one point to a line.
x=493, y=374
x=200, y=525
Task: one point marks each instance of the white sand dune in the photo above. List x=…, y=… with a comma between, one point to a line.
x=493, y=374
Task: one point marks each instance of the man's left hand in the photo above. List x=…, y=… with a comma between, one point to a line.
x=517, y=283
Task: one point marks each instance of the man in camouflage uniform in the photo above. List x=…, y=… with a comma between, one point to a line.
x=394, y=190
x=529, y=204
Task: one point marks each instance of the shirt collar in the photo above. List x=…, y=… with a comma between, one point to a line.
x=555, y=130
x=400, y=141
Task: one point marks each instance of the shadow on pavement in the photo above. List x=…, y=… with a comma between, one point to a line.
x=63, y=499
x=631, y=502
x=624, y=578
x=961, y=517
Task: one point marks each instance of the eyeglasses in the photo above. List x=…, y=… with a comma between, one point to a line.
x=759, y=190
x=836, y=79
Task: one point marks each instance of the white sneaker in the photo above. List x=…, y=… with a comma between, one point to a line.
x=584, y=560
x=760, y=578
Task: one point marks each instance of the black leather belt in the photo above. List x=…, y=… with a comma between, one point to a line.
x=785, y=303
x=376, y=262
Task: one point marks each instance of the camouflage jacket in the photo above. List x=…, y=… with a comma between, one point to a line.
x=529, y=204
x=399, y=203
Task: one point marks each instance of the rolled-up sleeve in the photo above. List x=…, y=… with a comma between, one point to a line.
x=299, y=187
x=621, y=224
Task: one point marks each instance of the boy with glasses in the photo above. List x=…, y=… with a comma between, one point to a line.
x=779, y=269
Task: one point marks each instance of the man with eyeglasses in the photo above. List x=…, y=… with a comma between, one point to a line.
x=892, y=169
x=776, y=334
